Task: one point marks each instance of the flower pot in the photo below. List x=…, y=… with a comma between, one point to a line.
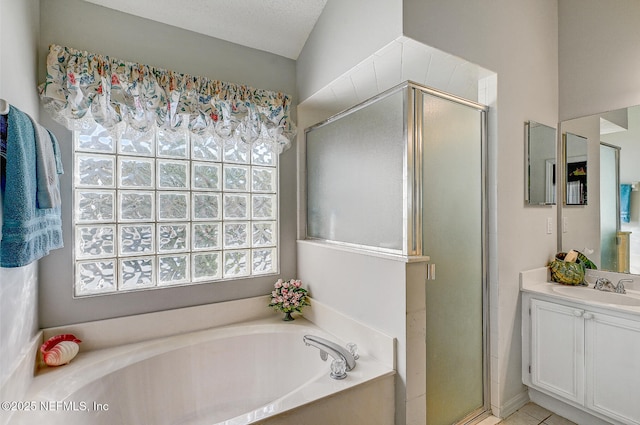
x=287, y=317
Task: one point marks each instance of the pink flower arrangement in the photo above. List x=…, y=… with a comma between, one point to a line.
x=289, y=296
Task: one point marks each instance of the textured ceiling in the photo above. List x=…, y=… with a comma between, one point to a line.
x=277, y=26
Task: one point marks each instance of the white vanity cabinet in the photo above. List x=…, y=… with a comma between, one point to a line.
x=557, y=349
x=612, y=365
x=588, y=357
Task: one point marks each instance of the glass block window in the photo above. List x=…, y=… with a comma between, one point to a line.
x=166, y=208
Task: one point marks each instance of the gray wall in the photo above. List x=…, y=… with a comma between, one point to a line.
x=347, y=32
x=18, y=286
x=85, y=26
x=599, y=61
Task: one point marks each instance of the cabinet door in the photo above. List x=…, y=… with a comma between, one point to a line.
x=612, y=356
x=557, y=349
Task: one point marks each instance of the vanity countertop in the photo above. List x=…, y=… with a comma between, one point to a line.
x=537, y=282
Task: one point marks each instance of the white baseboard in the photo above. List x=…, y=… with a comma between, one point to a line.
x=511, y=405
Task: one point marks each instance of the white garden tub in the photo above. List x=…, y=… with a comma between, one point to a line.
x=232, y=375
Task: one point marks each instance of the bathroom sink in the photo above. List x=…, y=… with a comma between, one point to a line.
x=590, y=294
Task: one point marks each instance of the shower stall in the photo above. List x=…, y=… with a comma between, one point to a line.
x=404, y=174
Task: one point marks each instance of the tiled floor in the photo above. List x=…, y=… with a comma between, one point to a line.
x=532, y=414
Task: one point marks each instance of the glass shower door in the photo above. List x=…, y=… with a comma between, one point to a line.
x=609, y=207
x=453, y=237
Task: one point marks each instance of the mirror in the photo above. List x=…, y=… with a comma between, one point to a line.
x=608, y=229
x=575, y=164
x=540, y=174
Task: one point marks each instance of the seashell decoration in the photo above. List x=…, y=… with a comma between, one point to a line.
x=60, y=349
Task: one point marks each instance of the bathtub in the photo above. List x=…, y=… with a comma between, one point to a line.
x=257, y=372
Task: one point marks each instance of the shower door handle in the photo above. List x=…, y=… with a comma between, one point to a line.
x=431, y=271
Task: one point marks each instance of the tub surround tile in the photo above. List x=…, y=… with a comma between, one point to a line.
x=388, y=65
x=364, y=80
x=416, y=288
x=416, y=368
x=120, y=331
x=416, y=413
x=369, y=340
x=416, y=353
x=125, y=330
x=415, y=62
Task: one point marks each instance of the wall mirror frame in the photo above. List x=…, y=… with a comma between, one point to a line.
x=607, y=230
x=540, y=164
x=575, y=156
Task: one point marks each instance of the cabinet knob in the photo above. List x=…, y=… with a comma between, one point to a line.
x=588, y=316
x=577, y=313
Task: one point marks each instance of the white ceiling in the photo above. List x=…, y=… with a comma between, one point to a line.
x=276, y=26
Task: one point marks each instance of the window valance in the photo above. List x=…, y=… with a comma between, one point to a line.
x=119, y=94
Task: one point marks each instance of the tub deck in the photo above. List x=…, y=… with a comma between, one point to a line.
x=254, y=372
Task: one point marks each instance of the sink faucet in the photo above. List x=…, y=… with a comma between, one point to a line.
x=603, y=284
x=620, y=288
x=327, y=347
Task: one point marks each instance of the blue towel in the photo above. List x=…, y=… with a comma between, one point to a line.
x=28, y=233
x=625, y=202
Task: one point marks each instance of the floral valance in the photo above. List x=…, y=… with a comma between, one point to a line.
x=119, y=94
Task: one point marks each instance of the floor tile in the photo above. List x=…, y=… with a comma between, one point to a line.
x=557, y=420
x=491, y=420
x=532, y=409
x=532, y=414
x=520, y=418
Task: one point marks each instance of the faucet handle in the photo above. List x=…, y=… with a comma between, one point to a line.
x=353, y=349
x=601, y=282
x=338, y=369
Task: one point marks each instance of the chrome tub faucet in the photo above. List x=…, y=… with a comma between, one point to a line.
x=344, y=360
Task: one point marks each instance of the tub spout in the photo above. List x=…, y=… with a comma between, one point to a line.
x=332, y=349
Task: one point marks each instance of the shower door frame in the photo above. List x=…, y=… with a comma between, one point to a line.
x=415, y=96
x=413, y=202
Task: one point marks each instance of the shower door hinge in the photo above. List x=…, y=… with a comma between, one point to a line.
x=431, y=271
x=529, y=369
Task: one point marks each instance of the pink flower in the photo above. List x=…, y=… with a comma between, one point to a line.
x=278, y=283
x=297, y=283
x=286, y=284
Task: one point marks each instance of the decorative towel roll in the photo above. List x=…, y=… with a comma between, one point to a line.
x=48, y=187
